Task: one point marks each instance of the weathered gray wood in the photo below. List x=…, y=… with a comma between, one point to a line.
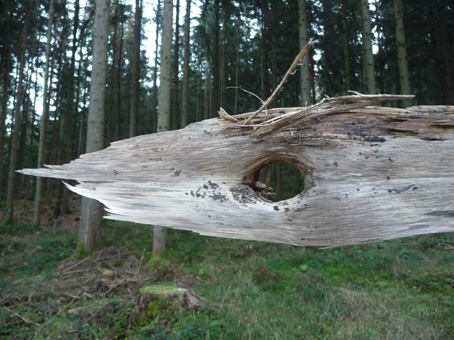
x=377, y=173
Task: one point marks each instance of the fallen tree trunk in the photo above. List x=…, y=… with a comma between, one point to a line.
x=372, y=173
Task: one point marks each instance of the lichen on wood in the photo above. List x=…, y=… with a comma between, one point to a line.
x=161, y=302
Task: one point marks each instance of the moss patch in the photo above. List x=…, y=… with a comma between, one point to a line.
x=161, y=290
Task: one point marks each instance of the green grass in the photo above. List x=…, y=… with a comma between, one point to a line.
x=401, y=289
x=25, y=251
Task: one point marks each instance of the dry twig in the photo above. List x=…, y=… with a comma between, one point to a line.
x=289, y=117
x=139, y=266
x=23, y=318
x=224, y=115
x=289, y=73
x=68, y=274
x=76, y=264
x=4, y=299
x=251, y=93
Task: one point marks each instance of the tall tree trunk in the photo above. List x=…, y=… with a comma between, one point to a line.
x=119, y=93
x=69, y=119
x=135, y=86
x=17, y=117
x=154, y=111
x=223, y=63
x=160, y=233
x=176, y=59
x=347, y=62
x=207, y=89
x=29, y=190
x=207, y=93
x=275, y=168
x=23, y=133
x=78, y=112
x=274, y=65
x=306, y=98
x=216, y=59
x=185, y=89
x=446, y=54
x=278, y=178
x=402, y=60
x=57, y=138
x=113, y=109
x=237, y=71
x=90, y=220
x=84, y=86
x=6, y=63
x=263, y=56
x=155, y=69
x=368, y=57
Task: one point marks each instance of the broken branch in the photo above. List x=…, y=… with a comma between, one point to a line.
x=289, y=73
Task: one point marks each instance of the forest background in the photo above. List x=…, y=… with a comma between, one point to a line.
x=397, y=289
x=46, y=57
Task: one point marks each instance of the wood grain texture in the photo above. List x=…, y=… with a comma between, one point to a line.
x=377, y=173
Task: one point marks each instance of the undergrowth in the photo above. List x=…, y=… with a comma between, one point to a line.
x=401, y=289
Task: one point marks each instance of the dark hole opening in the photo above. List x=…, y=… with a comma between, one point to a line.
x=278, y=181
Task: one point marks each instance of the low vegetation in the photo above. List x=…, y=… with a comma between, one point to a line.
x=401, y=289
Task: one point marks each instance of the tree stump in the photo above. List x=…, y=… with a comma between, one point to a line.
x=161, y=302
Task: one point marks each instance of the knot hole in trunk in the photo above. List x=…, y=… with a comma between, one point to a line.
x=278, y=177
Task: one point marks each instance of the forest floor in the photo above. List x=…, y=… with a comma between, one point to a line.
x=400, y=289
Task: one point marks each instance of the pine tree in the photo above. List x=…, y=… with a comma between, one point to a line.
x=135, y=81
x=303, y=39
x=402, y=61
x=160, y=233
x=186, y=75
x=368, y=57
x=90, y=221
x=44, y=119
x=14, y=154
